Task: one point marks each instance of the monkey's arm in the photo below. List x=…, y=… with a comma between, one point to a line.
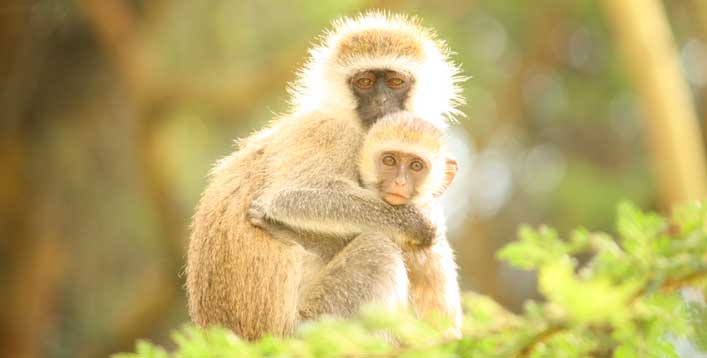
x=341, y=208
x=325, y=247
x=433, y=284
x=276, y=230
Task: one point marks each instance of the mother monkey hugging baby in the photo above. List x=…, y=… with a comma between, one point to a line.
x=345, y=244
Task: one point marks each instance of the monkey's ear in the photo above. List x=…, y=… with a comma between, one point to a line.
x=450, y=172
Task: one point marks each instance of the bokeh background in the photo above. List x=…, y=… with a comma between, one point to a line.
x=113, y=111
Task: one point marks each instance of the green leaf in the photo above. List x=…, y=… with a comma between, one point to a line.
x=535, y=248
x=144, y=349
x=697, y=313
x=585, y=301
x=691, y=217
x=638, y=230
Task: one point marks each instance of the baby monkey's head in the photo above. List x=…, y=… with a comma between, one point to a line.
x=405, y=159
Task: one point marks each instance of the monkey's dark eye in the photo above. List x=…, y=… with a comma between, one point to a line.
x=389, y=160
x=395, y=82
x=417, y=165
x=364, y=82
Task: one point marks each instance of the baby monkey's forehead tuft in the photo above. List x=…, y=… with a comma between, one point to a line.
x=406, y=127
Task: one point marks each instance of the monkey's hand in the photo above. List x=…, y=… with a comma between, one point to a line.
x=278, y=231
x=420, y=231
x=256, y=214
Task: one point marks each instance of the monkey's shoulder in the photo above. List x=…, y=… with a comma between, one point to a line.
x=317, y=133
x=317, y=123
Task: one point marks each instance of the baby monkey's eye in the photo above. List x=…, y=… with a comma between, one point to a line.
x=389, y=160
x=417, y=165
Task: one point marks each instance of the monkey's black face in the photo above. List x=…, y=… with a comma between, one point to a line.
x=379, y=92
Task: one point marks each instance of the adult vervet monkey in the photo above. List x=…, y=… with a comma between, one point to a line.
x=237, y=275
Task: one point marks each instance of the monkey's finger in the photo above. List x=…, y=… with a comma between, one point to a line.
x=256, y=212
x=257, y=222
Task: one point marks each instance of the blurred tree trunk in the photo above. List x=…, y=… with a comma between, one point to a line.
x=699, y=8
x=645, y=40
x=31, y=265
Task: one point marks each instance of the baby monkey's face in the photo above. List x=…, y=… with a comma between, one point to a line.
x=400, y=176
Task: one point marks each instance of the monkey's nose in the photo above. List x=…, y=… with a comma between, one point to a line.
x=381, y=100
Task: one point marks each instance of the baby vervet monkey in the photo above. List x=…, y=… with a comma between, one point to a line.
x=404, y=158
x=405, y=161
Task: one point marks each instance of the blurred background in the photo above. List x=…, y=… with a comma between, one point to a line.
x=112, y=113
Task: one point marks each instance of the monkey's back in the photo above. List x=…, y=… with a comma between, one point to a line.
x=237, y=275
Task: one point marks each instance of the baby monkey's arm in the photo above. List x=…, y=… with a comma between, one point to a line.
x=277, y=230
x=325, y=246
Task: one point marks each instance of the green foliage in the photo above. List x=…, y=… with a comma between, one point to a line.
x=621, y=299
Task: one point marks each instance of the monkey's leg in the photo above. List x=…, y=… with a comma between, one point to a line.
x=434, y=288
x=343, y=208
x=369, y=269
